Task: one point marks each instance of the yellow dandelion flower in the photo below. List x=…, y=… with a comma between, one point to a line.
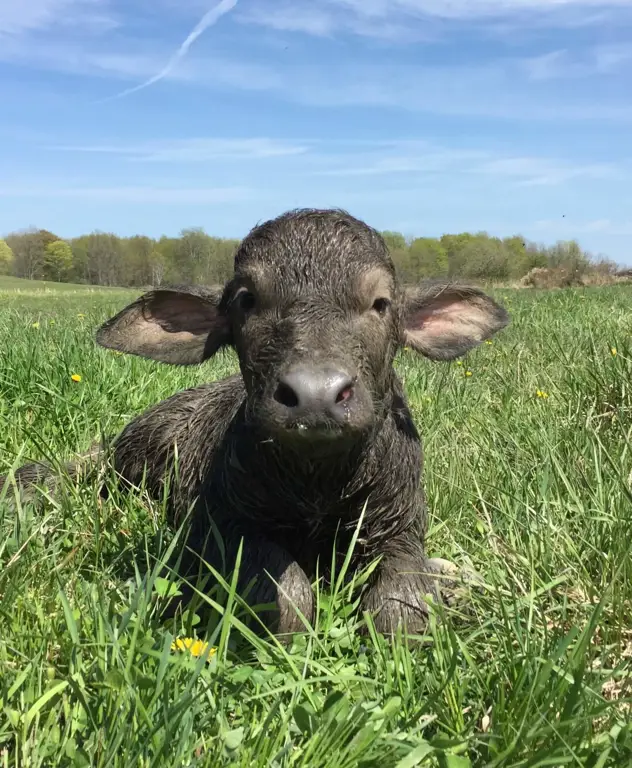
x=76, y=377
x=468, y=373
x=35, y=325
x=613, y=351
x=459, y=362
x=542, y=394
x=489, y=343
x=195, y=647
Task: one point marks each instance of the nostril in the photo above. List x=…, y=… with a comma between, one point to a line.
x=286, y=395
x=345, y=394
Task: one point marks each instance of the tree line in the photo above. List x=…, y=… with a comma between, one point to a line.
x=103, y=258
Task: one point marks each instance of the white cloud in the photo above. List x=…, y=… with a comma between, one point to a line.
x=313, y=20
x=35, y=15
x=72, y=58
x=608, y=58
x=352, y=159
x=502, y=89
x=493, y=90
x=600, y=60
x=576, y=228
x=428, y=160
x=499, y=87
x=533, y=171
x=399, y=164
x=137, y=60
x=451, y=9
x=409, y=20
x=195, y=149
x=326, y=20
x=548, y=66
x=407, y=159
x=133, y=194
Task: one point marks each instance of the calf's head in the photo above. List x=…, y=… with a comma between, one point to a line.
x=316, y=314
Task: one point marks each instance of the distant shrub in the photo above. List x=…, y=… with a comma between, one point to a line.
x=551, y=277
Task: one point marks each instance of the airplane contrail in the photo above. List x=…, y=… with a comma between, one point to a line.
x=209, y=18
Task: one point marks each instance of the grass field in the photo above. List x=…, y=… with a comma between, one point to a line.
x=528, y=473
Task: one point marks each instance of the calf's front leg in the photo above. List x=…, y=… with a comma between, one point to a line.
x=396, y=595
x=402, y=580
x=268, y=574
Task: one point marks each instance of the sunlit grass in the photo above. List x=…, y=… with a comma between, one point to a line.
x=528, y=472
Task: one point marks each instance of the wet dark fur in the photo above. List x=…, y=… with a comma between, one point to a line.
x=288, y=510
x=287, y=503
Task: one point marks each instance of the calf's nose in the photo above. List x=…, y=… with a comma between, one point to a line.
x=315, y=392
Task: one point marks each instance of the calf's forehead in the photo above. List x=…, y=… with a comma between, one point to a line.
x=320, y=251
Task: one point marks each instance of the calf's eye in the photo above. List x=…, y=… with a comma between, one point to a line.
x=246, y=300
x=381, y=306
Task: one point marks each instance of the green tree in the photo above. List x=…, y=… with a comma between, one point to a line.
x=167, y=262
x=104, y=259
x=196, y=257
x=158, y=267
x=29, y=251
x=522, y=256
x=484, y=258
x=428, y=258
x=139, y=253
x=225, y=259
x=516, y=249
x=6, y=259
x=401, y=260
x=193, y=255
x=454, y=246
x=568, y=255
x=57, y=262
x=395, y=241
x=80, y=270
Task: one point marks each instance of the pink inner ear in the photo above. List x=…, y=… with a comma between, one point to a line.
x=446, y=316
x=184, y=314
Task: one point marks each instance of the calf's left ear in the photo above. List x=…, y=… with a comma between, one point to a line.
x=443, y=321
x=181, y=326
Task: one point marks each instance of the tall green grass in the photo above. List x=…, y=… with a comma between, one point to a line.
x=533, y=491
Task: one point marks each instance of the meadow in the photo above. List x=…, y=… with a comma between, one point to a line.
x=528, y=472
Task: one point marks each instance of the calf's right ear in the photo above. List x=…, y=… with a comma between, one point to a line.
x=181, y=326
x=444, y=320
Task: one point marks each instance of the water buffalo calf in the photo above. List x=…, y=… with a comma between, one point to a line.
x=315, y=429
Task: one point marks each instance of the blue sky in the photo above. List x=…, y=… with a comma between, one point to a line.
x=424, y=116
